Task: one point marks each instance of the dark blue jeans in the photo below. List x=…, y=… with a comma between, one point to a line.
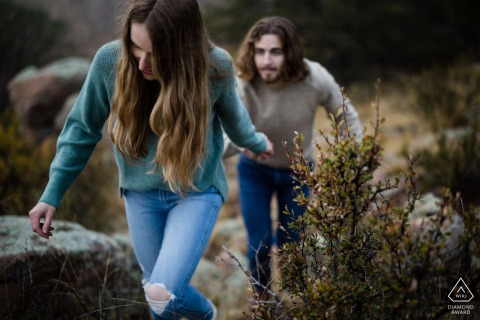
x=258, y=184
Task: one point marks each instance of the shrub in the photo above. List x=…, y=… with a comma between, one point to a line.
x=449, y=101
x=360, y=255
x=20, y=168
x=449, y=97
x=455, y=163
x=92, y=201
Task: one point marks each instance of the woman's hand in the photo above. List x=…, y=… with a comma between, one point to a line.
x=261, y=156
x=45, y=211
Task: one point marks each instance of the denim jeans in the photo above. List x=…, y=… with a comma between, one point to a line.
x=169, y=235
x=258, y=183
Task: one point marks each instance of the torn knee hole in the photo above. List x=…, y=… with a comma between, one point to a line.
x=158, y=292
x=158, y=297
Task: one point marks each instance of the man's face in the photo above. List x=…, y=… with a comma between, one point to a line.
x=269, y=57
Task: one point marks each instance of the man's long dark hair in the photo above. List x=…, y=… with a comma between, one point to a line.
x=294, y=69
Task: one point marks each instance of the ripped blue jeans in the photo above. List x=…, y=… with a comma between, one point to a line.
x=169, y=235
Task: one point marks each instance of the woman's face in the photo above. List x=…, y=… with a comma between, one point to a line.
x=142, y=49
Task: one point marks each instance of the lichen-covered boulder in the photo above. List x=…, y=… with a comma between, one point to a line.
x=75, y=273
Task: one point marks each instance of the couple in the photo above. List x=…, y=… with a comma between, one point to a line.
x=167, y=94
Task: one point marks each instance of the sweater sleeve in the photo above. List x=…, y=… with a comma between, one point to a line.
x=233, y=115
x=83, y=127
x=332, y=98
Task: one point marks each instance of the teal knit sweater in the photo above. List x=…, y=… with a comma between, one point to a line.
x=84, y=126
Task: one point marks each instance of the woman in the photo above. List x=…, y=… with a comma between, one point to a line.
x=166, y=93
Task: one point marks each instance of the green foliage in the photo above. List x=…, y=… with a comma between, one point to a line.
x=362, y=255
x=363, y=39
x=455, y=164
x=92, y=201
x=28, y=33
x=449, y=101
x=228, y=24
x=449, y=97
x=20, y=168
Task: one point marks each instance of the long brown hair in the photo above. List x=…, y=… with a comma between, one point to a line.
x=177, y=106
x=294, y=69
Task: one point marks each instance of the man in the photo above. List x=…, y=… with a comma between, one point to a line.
x=282, y=91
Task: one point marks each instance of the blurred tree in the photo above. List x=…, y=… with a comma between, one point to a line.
x=364, y=40
x=229, y=23
x=27, y=36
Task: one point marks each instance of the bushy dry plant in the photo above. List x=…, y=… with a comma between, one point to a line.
x=360, y=256
x=449, y=97
x=455, y=163
x=92, y=201
x=20, y=168
x=449, y=101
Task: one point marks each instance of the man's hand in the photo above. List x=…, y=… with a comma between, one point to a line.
x=261, y=156
x=45, y=211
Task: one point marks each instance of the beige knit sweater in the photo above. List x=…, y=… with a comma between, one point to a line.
x=280, y=111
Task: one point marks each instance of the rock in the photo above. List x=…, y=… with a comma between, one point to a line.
x=426, y=206
x=79, y=271
x=63, y=113
x=424, y=220
x=229, y=233
x=39, y=94
x=75, y=273
x=225, y=284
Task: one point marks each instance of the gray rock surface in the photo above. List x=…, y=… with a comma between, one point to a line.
x=76, y=272
x=82, y=273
